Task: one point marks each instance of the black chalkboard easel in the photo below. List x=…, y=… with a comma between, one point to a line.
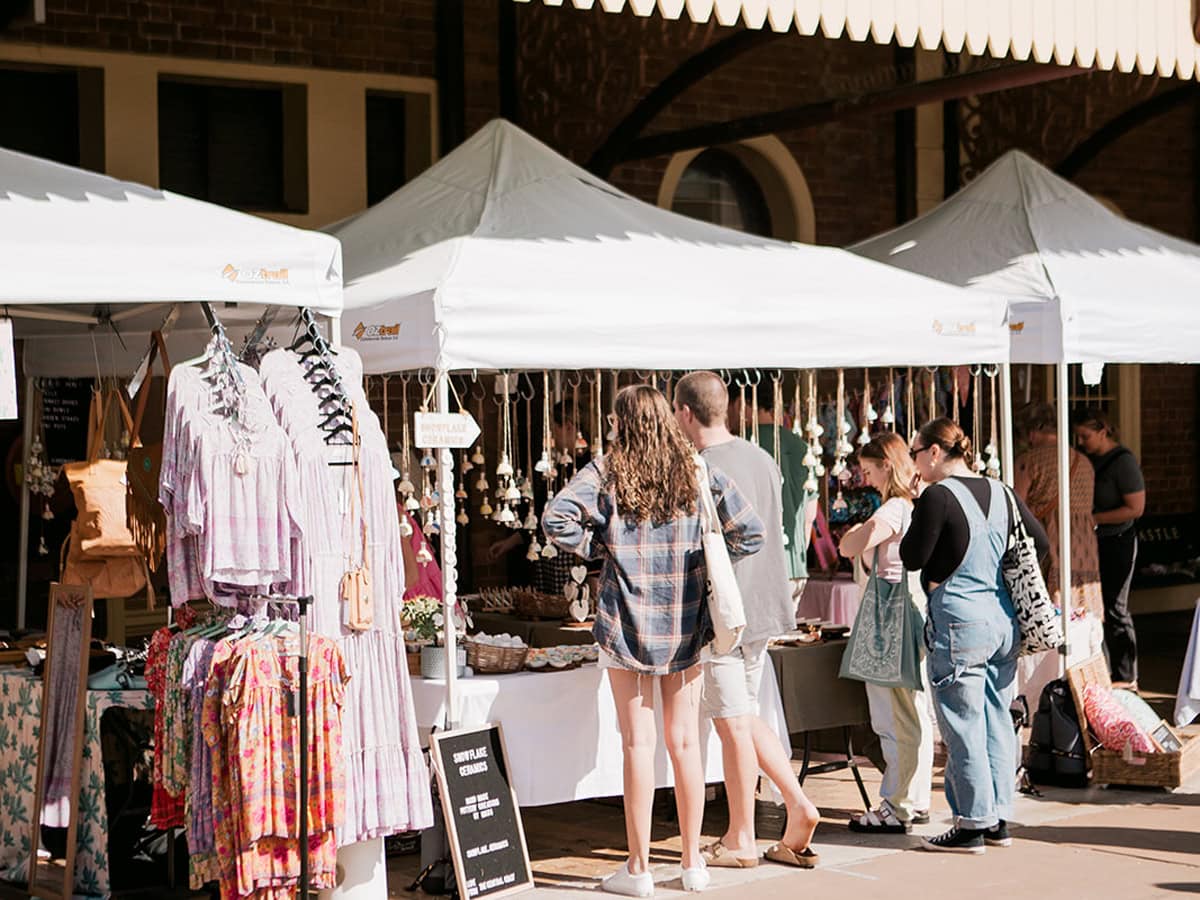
x=483, y=821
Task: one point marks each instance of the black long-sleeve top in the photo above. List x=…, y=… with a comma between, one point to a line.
x=937, y=539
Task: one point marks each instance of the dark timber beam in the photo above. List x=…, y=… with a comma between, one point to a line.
x=615, y=148
x=1122, y=124
x=450, y=65
x=938, y=90
x=507, y=35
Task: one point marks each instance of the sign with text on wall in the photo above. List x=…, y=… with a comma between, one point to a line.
x=483, y=821
x=453, y=430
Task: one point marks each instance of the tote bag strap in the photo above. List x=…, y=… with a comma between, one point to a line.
x=706, y=506
x=158, y=350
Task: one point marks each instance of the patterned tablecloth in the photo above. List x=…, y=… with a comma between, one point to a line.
x=833, y=600
x=20, y=715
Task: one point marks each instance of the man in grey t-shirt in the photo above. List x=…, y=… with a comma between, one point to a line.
x=731, y=682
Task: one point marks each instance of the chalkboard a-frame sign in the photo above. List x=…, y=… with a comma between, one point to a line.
x=483, y=821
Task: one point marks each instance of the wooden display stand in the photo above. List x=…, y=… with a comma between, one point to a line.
x=1167, y=769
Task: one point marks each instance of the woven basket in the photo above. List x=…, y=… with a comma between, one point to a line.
x=485, y=659
x=1167, y=770
x=536, y=605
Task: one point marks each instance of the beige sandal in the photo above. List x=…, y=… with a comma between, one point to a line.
x=805, y=859
x=718, y=856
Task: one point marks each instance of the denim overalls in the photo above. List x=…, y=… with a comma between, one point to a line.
x=973, y=642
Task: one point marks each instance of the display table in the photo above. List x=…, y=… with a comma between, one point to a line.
x=815, y=698
x=20, y=717
x=535, y=633
x=1187, y=698
x=561, y=730
x=833, y=600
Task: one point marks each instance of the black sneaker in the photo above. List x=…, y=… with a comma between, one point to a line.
x=998, y=836
x=956, y=840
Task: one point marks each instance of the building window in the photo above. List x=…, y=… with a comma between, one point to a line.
x=717, y=187
x=386, y=145
x=242, y=145
x=54, y=113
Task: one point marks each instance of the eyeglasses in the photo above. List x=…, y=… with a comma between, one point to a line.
x=917, y=451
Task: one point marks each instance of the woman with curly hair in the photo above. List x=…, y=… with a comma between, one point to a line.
x=636, y=510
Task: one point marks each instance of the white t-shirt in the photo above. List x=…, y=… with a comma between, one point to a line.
x=895, y=514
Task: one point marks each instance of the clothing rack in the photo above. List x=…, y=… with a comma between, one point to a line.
x=303, y=603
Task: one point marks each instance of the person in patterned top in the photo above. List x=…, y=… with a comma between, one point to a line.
x=637, y=512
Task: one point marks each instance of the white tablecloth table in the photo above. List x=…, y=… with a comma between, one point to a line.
x=833, y=600
x=1187, y=698
x=561, y=732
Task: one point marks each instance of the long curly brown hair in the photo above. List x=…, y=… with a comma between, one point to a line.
x=651, y=468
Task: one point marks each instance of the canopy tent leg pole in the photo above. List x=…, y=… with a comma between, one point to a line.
x=1006, y=424
x=445, y=460
x=23, y=551
x=1064, y=511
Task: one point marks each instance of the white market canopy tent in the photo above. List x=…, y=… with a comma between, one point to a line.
x=505, y=255
x=83, y=254
x=1084, y=283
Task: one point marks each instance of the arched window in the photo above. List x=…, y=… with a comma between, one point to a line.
x=717, y=187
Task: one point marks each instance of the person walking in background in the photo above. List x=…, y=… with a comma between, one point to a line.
x=1035, y=480
x=960, y=531
x=637, y=510
x=732, y=681
x=1119, y=501
x=899, y=714
x=799, y=506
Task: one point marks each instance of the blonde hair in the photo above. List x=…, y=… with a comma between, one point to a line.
x=651, y=469
x=890, y=448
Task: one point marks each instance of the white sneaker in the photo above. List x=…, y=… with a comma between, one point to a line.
x=622, y=882
x=696, y=879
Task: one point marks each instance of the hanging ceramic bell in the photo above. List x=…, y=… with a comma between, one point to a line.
x=844, y=427
x=405, y=486
x=512, y=494
x=820, y=469
x=888, y=417
x=993, y=467
x=863, y=438
x=505, y=516
x=526, y=490
x=549, y=551
x=424, y=556
x=543, y=465
x=485, y=508
x=845, y=448
x=43, y=550
x=47, y=513
x=814, y=428
x=482, y=484
x=990, y=451
x=796, y=429
x=810, y=485
x=461, y=493
x=840, y=503
x=477, y=457
x=839, y=466
x=580, y=442
x=565, y=458
x=427, y=461
x=531, y=521
x=872, y=416
x=978, y=464
x=412, y=504
x=535, y=551
x=504, y=469
x=462, y=518
x=406, y=528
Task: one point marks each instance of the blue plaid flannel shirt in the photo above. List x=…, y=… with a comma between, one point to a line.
x=651, y=613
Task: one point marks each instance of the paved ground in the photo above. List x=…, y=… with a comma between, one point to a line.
x=1098, y=843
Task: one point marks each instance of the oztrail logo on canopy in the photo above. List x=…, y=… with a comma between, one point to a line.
x=364, y=332
x=254, y=274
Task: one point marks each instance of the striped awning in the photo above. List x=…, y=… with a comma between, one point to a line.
x=1146, y=35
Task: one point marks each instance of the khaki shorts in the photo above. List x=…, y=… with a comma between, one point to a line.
x=732, y=682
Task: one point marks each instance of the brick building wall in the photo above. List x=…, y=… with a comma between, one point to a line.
x=1169, y=459
x=394, y=36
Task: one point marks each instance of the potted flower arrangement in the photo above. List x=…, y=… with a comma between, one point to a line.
x=425, y=625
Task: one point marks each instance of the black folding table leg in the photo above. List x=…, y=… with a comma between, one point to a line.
x=854, y=767
x=804, y=763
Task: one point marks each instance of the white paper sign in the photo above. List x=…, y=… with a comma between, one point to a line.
x=453, y=430
x=8, y=372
